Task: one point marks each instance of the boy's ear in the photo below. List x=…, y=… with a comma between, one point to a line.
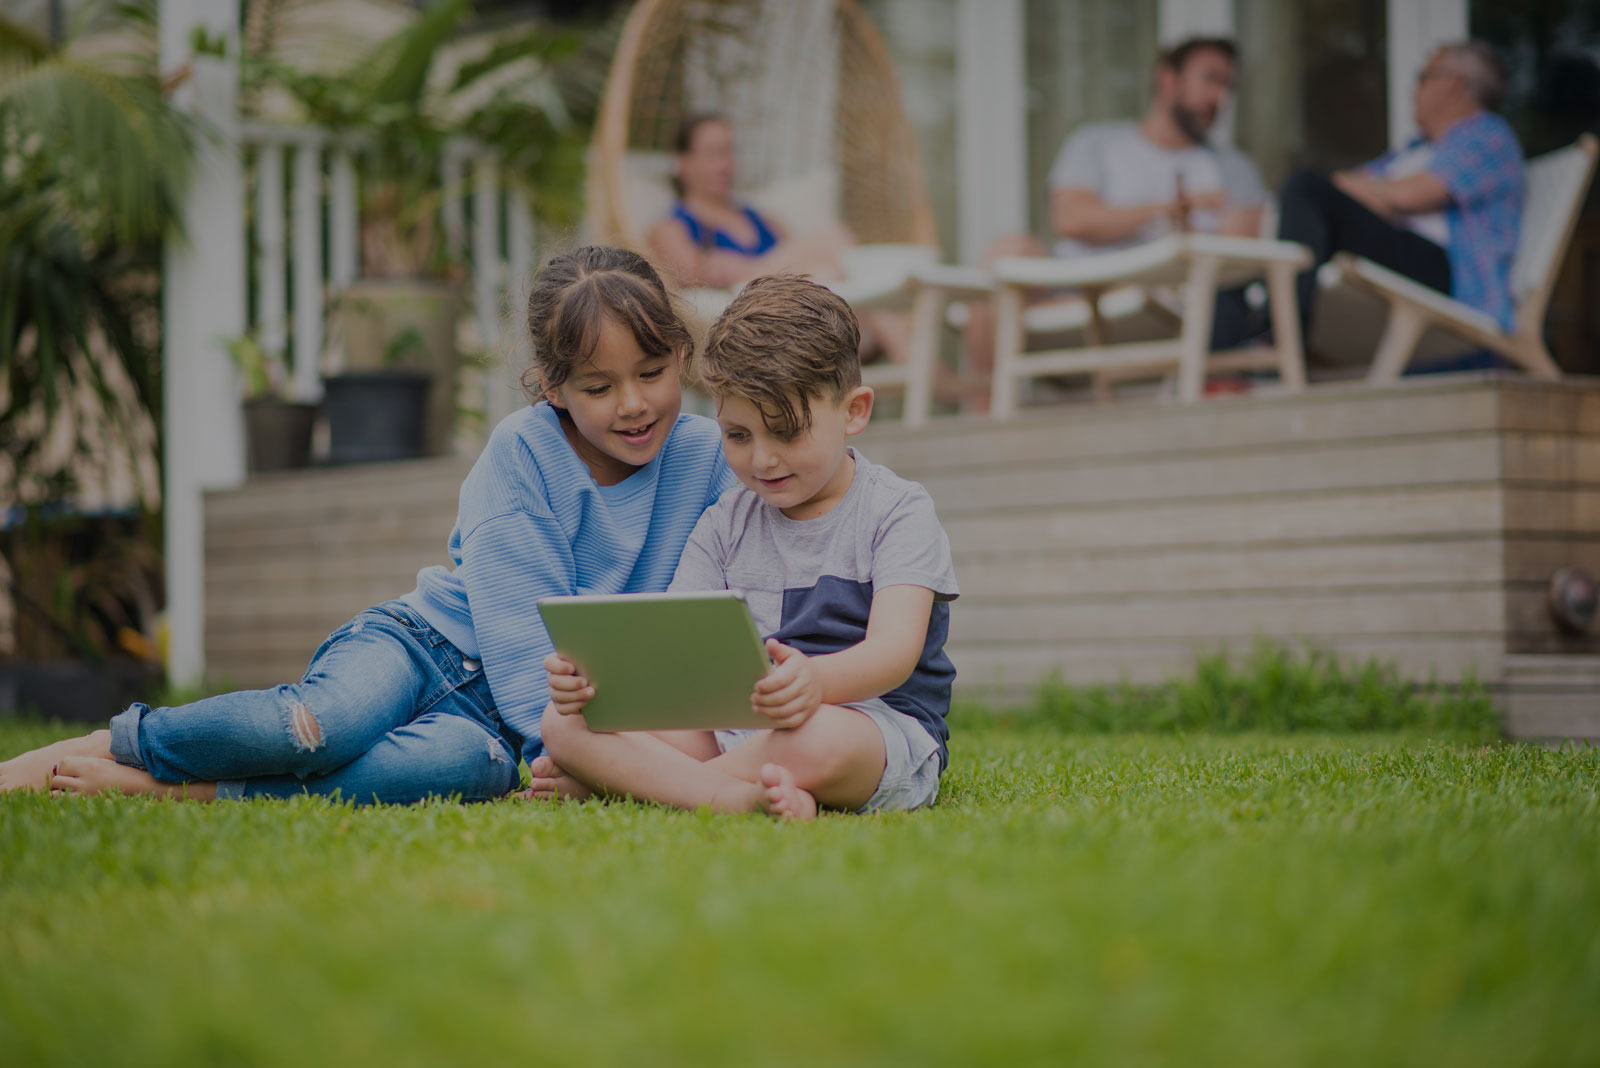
x=858, y=409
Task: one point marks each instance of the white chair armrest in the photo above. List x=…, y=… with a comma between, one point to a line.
x=1100, y=268
x=958, y=283
x=1248, y=249
x=1164, y=260
x=1386, y=282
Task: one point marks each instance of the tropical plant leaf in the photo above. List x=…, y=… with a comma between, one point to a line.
x=93, y=163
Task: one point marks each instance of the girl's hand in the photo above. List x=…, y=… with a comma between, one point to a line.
x=791, y=692
x=569, y=691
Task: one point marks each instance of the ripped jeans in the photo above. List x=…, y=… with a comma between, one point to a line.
x=389, y=711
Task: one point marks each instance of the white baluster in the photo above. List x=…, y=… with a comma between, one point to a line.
x=308, y=272
x=455, y=220
x=505, y=396
x=486, y=268
x=344, y=228
x=270, y=297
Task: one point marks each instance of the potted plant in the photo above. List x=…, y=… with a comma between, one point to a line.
x=378, y=415
x=404, y=103
x=277, y=430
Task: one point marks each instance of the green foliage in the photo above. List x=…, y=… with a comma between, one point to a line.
x=1273, y=689
x=1230, y=900
x=407, y=344
x=250, y=359
x=93, y=163
x=526, y=97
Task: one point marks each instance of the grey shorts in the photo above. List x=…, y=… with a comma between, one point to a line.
x=911, y=759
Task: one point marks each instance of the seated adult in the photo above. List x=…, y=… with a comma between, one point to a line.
x=1443, y=210
x=711, y=239
x=1117, y=184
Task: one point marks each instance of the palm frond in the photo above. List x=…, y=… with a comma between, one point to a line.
x=116, y=144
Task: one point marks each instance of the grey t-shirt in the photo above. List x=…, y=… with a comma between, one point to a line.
x=1116, y=161
x=809, y=583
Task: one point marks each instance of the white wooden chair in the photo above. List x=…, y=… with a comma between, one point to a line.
x=1200, y=263
x=1557, y=182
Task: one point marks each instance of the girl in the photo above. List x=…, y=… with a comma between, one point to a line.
x=594, y=488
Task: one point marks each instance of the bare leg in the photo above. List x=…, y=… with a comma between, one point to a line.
x=977, y=338
x=886, y=331
x=647, y=768
x=837, y=756
x=31, y=770
x=96, y=775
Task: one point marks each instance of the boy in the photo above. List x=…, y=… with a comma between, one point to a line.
x=843, y=564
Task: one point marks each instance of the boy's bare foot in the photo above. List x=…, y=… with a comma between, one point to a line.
x=96, y=775
x=782, y=798
x=31, y=770
x=548, y=782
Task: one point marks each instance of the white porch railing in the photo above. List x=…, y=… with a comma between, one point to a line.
x=291, y=260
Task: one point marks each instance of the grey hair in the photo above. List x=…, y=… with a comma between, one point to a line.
x=1480, y=67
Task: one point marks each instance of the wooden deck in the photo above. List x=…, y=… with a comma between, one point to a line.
x=1417, y=523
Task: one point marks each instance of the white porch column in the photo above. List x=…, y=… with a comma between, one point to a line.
x=991, y=123
x=1416, y=28
x=203, y=302
x=1178, y=19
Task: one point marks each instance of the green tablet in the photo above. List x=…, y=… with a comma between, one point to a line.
x=662, y=661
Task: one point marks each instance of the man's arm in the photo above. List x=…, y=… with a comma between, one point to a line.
x=1082, y=215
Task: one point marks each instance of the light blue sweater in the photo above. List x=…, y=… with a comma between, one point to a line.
x=533, y=523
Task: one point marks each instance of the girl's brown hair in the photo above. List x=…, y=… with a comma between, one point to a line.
x=576, y=291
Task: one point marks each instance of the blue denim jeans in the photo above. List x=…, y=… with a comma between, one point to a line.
x=388, y=712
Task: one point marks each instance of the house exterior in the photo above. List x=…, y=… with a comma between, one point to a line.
x=993, y=86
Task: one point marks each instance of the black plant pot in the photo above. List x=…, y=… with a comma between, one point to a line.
x=375, y=416
x=278, y=433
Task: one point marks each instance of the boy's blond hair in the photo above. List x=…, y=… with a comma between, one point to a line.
x=781, y=342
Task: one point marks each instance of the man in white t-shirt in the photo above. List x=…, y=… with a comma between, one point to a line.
x=1116, y=184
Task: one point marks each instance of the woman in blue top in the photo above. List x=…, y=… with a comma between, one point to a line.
x=710, y=239
x=592, y=489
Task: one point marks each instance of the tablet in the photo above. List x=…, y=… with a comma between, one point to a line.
x=662, y=661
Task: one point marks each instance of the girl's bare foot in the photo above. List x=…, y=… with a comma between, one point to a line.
x=782, y=798
x=96, y=775
x=548, y=782
x=31, y=771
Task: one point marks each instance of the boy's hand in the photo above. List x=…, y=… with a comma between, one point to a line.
x=569, y=691
x=790, y=693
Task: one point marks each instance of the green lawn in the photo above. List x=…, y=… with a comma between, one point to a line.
x=1126, y=899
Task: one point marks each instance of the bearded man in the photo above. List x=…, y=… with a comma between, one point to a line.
x=1116, y=184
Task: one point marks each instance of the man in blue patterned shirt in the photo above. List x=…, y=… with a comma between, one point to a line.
x=1443, y=210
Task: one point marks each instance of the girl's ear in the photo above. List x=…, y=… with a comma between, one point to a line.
x=549, y=393
x=858, y=409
